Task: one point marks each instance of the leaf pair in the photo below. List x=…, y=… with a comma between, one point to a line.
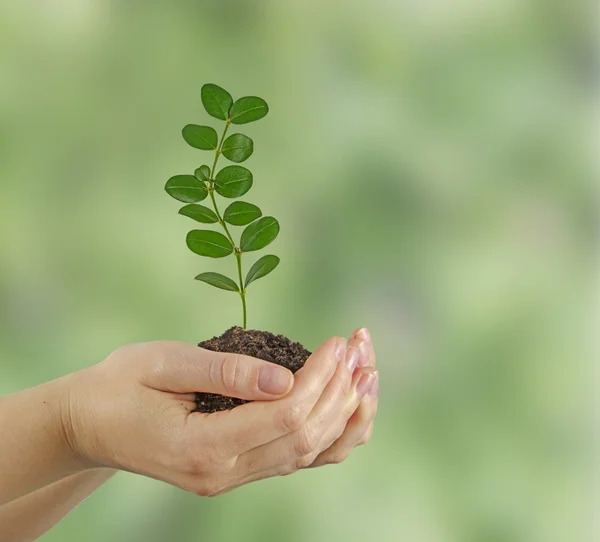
x=237, y=147
x=219, y=104
x=215, y=245
x=230, y=182
x=239, y=213
x=261, y=267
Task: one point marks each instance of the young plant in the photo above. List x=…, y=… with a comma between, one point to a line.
x=230, y=182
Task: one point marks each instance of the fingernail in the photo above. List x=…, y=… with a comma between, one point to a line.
x=352, y=355
x=340, y=350
x=374, y=389
x=365, y=357
x=364, y=334
x=364, y=384
x=274, y=380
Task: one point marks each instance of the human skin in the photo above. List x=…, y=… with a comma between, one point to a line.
x=133, y=412
x=29, y=517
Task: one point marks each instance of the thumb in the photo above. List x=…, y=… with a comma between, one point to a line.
x=190, y=368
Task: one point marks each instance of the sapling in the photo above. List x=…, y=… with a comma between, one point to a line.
x=232, y=181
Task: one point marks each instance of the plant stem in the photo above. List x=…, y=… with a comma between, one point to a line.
x=238, y=254
x=221, y=221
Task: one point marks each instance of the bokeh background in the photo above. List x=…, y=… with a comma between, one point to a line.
x=431, y=164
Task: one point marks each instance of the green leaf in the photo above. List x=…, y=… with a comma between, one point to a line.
x=203, y=174
x=199, y=213
x=262, y=267
x=216, y=100
x=240, y=213
x=237, y=148
x=209, y=243
x=248, y=109
x=186, y=188
x=233, y=181
x=200, y=137
x=259, y=234
x=218, y=280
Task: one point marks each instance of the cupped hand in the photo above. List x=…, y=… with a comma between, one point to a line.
x=359, y=428
x=134, y=412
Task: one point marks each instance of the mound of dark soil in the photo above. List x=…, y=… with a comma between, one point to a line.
x=258, y=344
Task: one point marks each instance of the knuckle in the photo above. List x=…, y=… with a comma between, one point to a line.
x=339, y=431
x=206, y=489
x=306, y=461
x=331, y=440
x=157, y=356
x=307, y=441
x=139, y=352
x=292, y=418
x=127, y=350
x=342, y=382
x=286, y=470
x=366, y=437
x=232, y=372
x=303, y=462
x=229, y=372
x=349, y=410
x=160, y=350
x=338, y=458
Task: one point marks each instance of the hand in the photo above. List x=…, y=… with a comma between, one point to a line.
x=359, y=429
x=134, y=412
x=341, y=420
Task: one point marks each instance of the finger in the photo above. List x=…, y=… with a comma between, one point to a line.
x=254, y=424
x=362, y=382
x=256, y=465
x=182, y=368
x=368, y=351
x=358, y=430
x=329, y=417
x=300, y=448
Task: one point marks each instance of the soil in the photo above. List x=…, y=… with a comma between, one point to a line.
x=258, y=344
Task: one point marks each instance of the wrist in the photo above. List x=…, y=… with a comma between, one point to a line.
x=71, y=415
x=36, y=450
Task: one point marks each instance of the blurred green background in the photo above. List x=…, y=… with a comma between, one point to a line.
x=431, y=167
